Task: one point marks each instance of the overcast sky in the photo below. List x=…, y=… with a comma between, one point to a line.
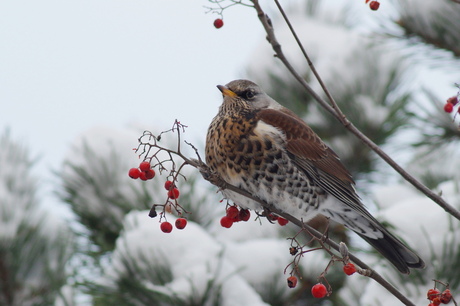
x=66, y=66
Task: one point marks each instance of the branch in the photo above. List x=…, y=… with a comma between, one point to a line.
x=150, y=148
x=216, y=180
x=336, y=112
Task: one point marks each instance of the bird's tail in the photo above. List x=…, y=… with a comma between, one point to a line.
x=395, y=251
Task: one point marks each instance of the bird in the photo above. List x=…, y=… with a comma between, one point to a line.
x=256, y=144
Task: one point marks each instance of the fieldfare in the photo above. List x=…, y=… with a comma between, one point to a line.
x=256, y=144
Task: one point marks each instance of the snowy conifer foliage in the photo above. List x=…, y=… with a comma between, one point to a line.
x=35, y=245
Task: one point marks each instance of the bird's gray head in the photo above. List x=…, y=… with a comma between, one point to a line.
x=245, y=95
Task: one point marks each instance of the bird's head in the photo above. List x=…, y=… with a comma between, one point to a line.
x=244, y=96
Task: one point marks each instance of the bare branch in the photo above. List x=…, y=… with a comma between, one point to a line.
x=334, y=110
x=334, y=105
x=216, y=180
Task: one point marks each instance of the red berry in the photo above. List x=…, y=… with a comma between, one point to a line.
x=149, y=174
x=144, y=166
x=432, y=293
x=218, y=23
x=374, y=5
x=446, y=296
x=226, y=222
x=292, y=281
x=134, y=173
x=181, y=223
x=349, y=268
x=143, y=176
x=168, y=185
x=244, y=215
x=282, y=221
x=166, y=227
x=173, y=193
x=319, y=291
x=232, y=212
x=448, y=107
x=436, y=301
x=236, y=219
x=453, y=100
x=272, y=217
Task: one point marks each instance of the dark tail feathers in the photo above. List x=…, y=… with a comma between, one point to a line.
x=396, y=252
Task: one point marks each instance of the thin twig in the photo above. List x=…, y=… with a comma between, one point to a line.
x=337, y=109
x=267, y=24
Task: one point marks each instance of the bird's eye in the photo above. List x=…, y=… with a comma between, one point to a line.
x=249, y=94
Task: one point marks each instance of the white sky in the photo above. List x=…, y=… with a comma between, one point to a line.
x=66, y=66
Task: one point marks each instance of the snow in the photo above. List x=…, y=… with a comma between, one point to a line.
x=193, y=256
x=413, y=217
x=388, y=196
x=246, y=266
x=103, y=140
x=428, y=162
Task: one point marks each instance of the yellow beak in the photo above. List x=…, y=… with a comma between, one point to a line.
x=226, y=92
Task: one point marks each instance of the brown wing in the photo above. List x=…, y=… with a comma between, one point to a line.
x=312, y=155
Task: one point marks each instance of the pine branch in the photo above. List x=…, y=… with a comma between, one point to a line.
x=435, y=26
x=335, y=110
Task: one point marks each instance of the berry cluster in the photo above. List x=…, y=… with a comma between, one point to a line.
x=374, y=5
x=144, y=172
x=167, y=227
x=319, y=290
x=451, y=102
x=436, y=297
x=233, y=215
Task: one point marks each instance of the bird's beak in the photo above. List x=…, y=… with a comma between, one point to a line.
x=226, y=92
